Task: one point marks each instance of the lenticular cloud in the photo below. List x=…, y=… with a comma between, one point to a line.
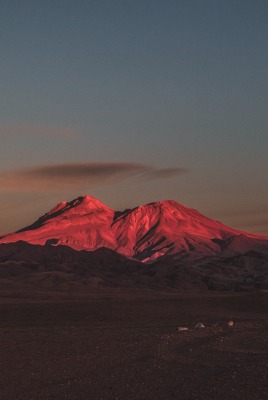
x=77, y=175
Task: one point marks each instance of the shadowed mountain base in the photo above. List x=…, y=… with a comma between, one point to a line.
x=26, y=268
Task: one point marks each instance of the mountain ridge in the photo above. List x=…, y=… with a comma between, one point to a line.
x=146, y=233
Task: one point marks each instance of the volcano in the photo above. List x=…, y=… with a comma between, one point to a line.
x=161, y=230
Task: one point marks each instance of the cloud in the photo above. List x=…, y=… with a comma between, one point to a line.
x=163, y=173
x=37, y=130
x=78, y=175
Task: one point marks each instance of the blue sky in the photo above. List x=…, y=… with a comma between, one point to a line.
x=159, y=84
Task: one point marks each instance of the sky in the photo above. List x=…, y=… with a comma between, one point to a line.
x=134, y=101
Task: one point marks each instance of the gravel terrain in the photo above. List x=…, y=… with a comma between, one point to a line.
x=127, y=346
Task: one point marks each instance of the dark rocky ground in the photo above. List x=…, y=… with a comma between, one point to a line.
x=124, y=345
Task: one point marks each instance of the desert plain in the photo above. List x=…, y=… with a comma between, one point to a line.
x=117, y=344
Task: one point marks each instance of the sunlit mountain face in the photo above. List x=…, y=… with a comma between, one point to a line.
x=164, y=230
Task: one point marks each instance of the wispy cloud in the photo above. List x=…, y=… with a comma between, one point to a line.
x=78, y=175
x=11, y=130
x=163, y=173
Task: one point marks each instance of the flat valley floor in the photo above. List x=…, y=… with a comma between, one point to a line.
x=126, y=346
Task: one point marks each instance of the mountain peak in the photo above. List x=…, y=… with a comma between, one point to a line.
x=88, y=201
x=172, y=207
x=168, y=204
x=87, y=198
x=83, y=203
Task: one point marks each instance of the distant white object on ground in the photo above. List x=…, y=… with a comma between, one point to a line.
x=199, y=326
x=182, y=328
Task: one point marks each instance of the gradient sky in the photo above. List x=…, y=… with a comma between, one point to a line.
x=134, y=101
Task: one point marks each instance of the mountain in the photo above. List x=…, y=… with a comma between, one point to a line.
x=164, y=230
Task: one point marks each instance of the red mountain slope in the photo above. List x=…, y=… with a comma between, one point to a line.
x=147, y=233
